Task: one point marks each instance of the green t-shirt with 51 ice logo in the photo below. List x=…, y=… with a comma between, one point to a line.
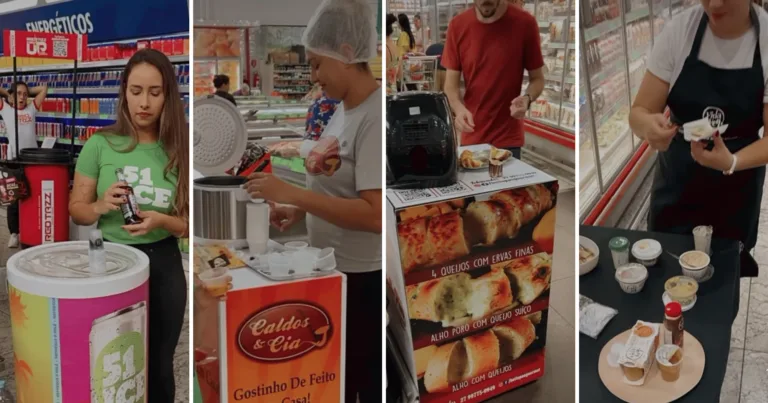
x=143, y=167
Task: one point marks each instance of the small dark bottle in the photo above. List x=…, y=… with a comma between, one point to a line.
x=130, y=209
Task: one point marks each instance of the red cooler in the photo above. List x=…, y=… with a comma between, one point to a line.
x=44, y=215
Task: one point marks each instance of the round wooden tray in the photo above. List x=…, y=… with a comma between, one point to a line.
x=654, y=389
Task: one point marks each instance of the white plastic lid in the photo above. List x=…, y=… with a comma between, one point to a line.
x=219, y=135
x=631, y=273
x=646, y=249
x=61, y=270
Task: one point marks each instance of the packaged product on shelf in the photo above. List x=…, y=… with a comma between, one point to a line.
x=469, y=267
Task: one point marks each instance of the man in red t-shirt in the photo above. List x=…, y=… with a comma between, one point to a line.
x=490, y=46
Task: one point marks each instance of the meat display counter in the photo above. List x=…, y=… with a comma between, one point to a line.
x=273, y=119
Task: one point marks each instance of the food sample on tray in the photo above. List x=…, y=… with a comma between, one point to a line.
x=456, y=299
x=585, y=254
x=436, y=240
x=701, y=130
x=639, y=352
x=478, y=354
x=476, y=159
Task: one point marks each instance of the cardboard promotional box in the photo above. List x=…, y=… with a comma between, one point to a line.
x=284, y=341
x=468, y=275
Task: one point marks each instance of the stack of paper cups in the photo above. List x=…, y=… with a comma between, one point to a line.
x=257, y=229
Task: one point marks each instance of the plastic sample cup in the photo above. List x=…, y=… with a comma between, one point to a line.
x=215, y=281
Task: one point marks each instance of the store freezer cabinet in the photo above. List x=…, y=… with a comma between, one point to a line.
x=469, y=270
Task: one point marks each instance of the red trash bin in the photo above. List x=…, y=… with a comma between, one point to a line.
x=44, y=215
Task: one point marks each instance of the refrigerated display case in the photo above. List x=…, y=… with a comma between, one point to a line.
x=615, y=37
x=556, y=107
x=207, y=68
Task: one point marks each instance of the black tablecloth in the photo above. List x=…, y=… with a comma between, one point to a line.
x=709, y=321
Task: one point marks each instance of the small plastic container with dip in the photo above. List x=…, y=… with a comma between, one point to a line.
x=695, y=264
x=647, y=252
x=619, y=251
x=631, y=277
x=669, y=358
x=682, y=289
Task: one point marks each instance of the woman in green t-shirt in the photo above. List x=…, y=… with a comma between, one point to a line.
x=149, y=142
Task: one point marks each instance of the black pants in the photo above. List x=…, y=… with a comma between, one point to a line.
x=515, y=151
x=13, y=217
x=364, y=333
x=167, y=301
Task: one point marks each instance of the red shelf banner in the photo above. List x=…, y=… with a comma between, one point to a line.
x=44, y=45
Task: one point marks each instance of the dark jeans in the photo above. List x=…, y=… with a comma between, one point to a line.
x=364, y=333
x=167, y=303
x=515, y=151
x=13, y=217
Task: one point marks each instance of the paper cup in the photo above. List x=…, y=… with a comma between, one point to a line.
x=215, y=281
x=702, y=238
x=669, y=358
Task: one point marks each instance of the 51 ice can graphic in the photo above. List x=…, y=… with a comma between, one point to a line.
x=118, y=363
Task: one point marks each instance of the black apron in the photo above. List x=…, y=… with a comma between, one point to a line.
x=686, y=194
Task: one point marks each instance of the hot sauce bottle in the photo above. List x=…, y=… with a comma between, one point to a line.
x=673, y=324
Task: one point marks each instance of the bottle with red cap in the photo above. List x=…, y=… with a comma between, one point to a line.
x=673, y=324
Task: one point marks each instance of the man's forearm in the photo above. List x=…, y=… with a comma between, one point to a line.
x=453, y=94
x=535, y=87
x=353, y=214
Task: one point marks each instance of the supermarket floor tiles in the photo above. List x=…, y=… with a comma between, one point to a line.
x=181, y=362
x=746, y=379
x=557, y=385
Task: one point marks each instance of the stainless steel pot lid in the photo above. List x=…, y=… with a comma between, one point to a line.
x=220, y=135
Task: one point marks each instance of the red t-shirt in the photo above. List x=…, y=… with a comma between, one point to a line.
x=491, y=58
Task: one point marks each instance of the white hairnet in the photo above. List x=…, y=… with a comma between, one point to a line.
x=344, y=30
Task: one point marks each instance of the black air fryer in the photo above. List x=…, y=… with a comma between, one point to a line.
x=421, y=146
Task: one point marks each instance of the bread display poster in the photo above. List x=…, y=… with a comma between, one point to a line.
x=476, y=272
x=284, y=342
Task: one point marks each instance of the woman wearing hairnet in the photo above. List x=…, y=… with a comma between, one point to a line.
x=342, y=200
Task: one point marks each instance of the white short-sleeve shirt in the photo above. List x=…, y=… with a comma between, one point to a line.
x=27, y=136
x=674, y=45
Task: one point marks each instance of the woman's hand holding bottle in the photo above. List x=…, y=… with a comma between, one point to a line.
x=113, y=197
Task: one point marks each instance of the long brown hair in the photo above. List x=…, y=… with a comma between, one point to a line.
x=173, y=129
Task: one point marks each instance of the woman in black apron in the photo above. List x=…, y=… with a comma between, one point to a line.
x=706, y=184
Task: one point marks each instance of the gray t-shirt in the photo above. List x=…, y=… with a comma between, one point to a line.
x=676, y=40
x=345, y=161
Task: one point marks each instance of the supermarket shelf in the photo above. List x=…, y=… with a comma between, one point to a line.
x=184, y=89
x=605, y=27
x=78, y=116
x=84, y=65
x=561, y=45
x=62, y=141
